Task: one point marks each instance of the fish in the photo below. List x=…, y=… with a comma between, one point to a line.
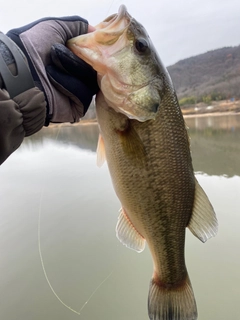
x=144, y=140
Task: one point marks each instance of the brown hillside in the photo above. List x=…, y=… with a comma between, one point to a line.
x=216, y=73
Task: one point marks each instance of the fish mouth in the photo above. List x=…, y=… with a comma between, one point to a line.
x=103, y=49
x=122, y=12
x=117, y=21
x=106, y=33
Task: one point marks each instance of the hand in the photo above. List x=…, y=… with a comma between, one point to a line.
x=19, y=117
x=68, y=83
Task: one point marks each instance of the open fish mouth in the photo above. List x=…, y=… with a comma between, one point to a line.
x=116, y=18
x=115, y=24
x=124, y=70
x=89, y=46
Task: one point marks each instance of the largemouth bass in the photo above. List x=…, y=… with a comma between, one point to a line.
x=145, y=142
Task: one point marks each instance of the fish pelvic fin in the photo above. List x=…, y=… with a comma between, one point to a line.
x=203, y=223
x=171, y=302
x=101, y=155
x=127, y=234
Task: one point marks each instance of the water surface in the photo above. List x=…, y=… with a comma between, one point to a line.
x=54, y=174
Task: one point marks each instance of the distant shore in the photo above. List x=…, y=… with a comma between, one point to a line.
x=189, y=115
x=217, y=108
x=210, y=114
x=220, y=108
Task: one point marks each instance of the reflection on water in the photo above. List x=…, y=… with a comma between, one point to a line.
x=82, y=136
x=215, y=144
x=54, y=173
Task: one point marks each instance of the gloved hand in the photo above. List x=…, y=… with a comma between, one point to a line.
x=67, y=82
x=23, y=108
x=19, y=118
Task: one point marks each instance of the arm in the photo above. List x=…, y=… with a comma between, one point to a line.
x=67, y=82
x=64, y=84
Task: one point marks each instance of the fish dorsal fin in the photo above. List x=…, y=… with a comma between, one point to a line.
x=101, y=155
x=203, y=223
x=127, y=234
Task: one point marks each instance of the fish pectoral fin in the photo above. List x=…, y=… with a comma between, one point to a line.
x=101, y=155
x=203, y=223
x=132, y=144
x=127, y=234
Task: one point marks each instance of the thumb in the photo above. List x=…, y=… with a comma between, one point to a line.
x=71, y=27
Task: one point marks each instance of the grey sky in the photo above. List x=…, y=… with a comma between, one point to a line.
x=178, y=29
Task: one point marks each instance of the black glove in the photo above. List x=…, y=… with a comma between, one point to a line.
x=23, y=107
x=19, y=117
x=67, y=82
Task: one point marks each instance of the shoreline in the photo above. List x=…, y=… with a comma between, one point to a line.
x=211, y=114
x=86, y=122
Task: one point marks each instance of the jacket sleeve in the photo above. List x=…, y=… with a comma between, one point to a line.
x=20, y=117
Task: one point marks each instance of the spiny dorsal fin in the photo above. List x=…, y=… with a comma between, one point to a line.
x=101, y=155
x=127, y=234
x=203, y=223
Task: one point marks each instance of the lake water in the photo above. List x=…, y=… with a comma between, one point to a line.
x=52, y=190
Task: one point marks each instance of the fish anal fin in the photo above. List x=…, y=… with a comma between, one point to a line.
x=101, y=155
x=127, y=234
x=171, y=301
x=203, y=223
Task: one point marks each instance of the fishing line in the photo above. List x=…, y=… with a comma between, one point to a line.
x=41, y=258
x=110, y=6
x=43, y=266
x=96, y=290
x=40, y=250
x=59, y=129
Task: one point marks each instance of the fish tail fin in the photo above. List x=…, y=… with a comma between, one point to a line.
x=171, y=302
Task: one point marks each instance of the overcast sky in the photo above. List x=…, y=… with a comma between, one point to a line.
x=179, y=29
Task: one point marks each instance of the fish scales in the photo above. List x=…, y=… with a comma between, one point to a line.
x=144, y=139
x=158, y=197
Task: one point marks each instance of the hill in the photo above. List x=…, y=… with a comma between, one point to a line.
x=214, y=75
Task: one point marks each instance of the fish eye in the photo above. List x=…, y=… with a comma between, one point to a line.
x=141, y=45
